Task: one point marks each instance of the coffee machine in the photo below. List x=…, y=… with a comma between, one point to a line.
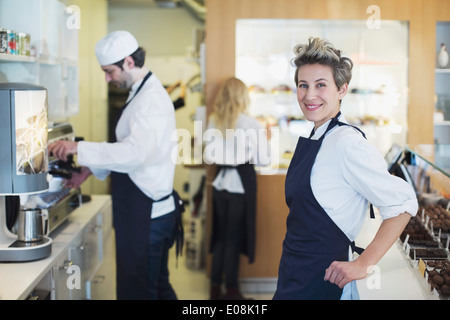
x=58, y=201
x=23, y=168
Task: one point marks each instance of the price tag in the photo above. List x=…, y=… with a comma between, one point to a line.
x=422, y=267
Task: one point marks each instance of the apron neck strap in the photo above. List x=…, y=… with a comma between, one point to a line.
x=334, y=121
x=139, y=88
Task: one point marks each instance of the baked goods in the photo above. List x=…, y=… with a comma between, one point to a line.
x=446, y=278
x=419, y=236
x=439, y=276
x=438, y=279
x=439, y=217
x=425, y=245
x=425, y=254
x=445, y=290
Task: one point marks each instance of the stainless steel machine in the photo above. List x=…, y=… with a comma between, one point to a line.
x=33, y=199
x=58, y=201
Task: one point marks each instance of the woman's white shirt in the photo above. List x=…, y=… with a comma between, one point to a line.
x=348, y=173
x=247, y=143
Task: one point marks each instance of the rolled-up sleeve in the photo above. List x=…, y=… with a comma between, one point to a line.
x=366, y=171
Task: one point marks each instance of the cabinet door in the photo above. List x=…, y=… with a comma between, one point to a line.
x=60, y=272
x=102, y=286
x=93, y=246
x=76, y=280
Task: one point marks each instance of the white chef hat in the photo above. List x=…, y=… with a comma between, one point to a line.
x=115, y=46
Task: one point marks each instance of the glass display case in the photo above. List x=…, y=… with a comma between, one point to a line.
x=426, y=237
x=377, y=99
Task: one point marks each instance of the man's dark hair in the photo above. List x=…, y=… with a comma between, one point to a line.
x=138, y=57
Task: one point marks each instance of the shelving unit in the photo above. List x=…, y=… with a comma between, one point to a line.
x=55, y=47
x=442, y=85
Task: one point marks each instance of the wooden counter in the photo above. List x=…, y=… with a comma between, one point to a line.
x=271, y=214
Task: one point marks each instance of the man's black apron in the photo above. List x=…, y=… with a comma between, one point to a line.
x=313, y=241
x=131, y=221
x=248, y=177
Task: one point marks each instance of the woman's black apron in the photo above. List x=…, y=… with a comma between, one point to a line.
x=248, y=178
x=313, y=241
x=131, y=221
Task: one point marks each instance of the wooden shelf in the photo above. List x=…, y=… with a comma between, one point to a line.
x=4, y=57
x=447, y=70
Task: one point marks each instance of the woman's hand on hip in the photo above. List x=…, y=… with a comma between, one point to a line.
x=342, y=272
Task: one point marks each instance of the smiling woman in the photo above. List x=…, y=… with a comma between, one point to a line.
x=332, y=177
x=317, y=94
x=322, y=78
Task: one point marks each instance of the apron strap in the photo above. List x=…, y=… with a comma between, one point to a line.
x=355, y=248
x=179, y=232
x=119, y=114
x=139, y=88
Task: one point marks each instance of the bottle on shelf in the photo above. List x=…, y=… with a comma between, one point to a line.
x=442, y=58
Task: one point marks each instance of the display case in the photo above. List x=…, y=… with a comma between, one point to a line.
x=377, y=98
x=442, y=84
x=425, y=240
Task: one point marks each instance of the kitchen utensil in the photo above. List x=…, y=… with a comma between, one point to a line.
x=33, y=225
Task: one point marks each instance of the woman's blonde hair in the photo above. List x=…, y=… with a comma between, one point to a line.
x=231, y=100
x=321, y=51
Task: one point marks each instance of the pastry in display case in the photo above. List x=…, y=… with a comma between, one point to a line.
x=426, y=237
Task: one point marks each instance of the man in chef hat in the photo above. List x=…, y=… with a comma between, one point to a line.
x=146, y=209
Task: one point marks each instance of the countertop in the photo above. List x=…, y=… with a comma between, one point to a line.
x=394, y=278
x=18, y=279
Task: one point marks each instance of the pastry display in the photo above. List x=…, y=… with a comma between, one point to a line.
x=439, y=277
x=426, y=254
x=419, y=236
x=426, y=245
x=438, y=216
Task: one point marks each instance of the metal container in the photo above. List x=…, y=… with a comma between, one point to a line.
x=3, y=40
x=23, y=44
x=33, y=225
x=12, y=42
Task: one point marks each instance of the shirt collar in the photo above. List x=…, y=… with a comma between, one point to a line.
x=321, y=130
x=134, y=88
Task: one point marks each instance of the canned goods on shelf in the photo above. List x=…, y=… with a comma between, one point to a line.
x=23, y=44
x=3, y=40
x=12, y=42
